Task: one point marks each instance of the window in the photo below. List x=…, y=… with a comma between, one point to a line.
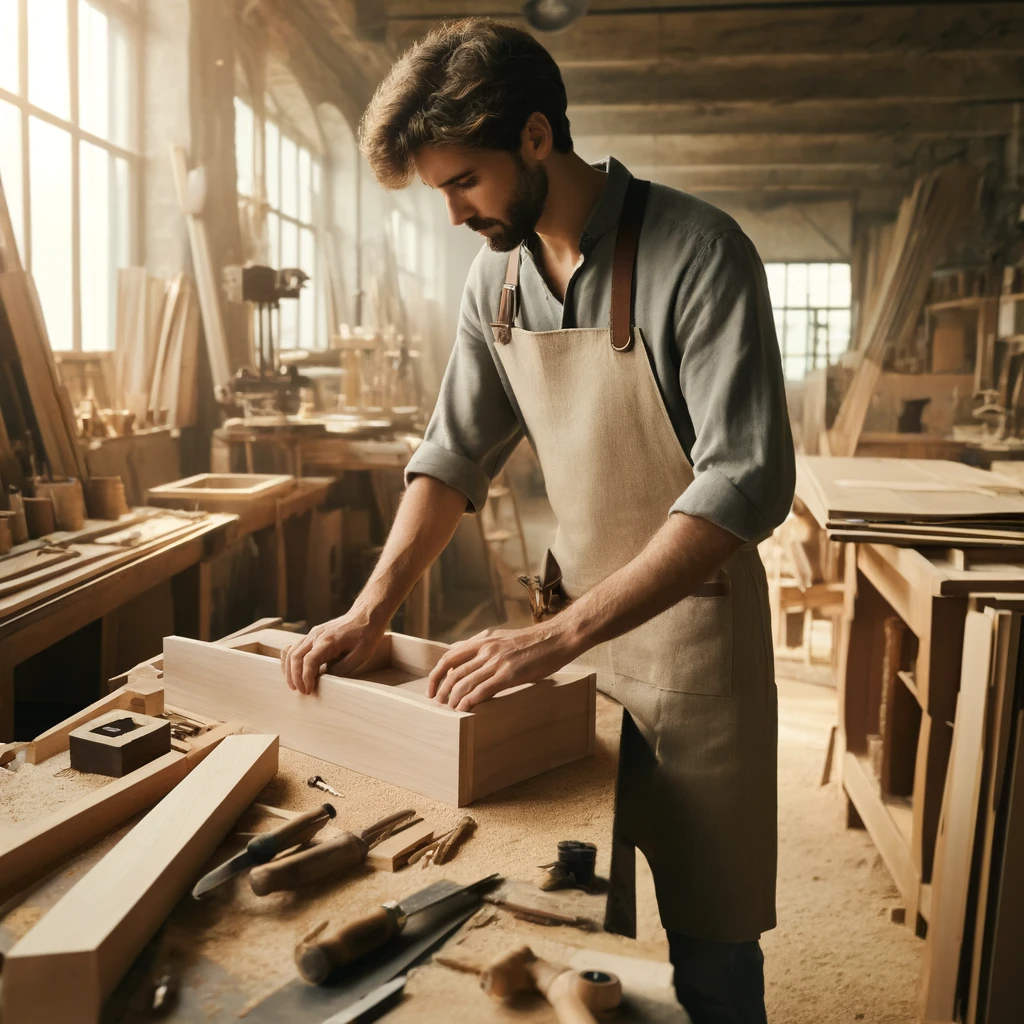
x=68, y=155
x=293, y=182
x=811, y=303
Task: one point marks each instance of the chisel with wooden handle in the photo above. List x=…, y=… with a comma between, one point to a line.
x=324, y=860
x=267, y=845
x=322, y=952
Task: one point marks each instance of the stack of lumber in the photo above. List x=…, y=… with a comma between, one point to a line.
x=156, y=348
x=939, y=202
x=911, y=502
x=36, y=409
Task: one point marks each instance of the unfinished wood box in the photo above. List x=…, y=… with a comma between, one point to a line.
x=220, y=492
x=118, y=742
x=380, y=722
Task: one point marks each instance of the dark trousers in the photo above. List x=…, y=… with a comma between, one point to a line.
x=718, y=982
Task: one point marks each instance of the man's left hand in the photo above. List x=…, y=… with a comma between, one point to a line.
x=474, y=670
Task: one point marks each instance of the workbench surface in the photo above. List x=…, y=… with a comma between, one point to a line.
x=234, y=949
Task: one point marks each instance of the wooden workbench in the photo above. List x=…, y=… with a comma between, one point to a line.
x=234, y=950
x=183, y=560
x=927, y=591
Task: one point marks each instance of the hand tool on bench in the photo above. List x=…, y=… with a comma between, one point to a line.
x=323, y=860
x=267, y=845
x=321, y=952
x=575, y=995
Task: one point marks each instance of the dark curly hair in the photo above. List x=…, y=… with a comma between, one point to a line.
x=472, y=84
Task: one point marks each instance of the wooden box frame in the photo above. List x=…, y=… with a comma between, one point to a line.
x=235, y=490
x=381, y=723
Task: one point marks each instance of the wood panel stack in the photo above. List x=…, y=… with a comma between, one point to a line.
x=912, y=502
x=939, y=202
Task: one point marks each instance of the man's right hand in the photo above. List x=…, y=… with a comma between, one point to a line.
x=352, y=639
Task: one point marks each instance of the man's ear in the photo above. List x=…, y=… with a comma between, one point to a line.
x=536, y=139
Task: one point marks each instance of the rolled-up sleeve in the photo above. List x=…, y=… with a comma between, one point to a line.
x=474, y=428
x=732, y=382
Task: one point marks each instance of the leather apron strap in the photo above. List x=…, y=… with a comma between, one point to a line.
x=627, y=241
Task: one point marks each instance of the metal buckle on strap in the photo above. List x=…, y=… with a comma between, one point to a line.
x=627, y=346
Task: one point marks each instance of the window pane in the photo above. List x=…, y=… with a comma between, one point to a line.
x=796, y=333
x=796, y=284
x=838, y=331
x=817, y=284
x=273, y=241
x=10, y=169
x=305, y=188
x=97, y=243
x=289, y=177
x=244, y=129
x=289, y=307
x=840, y=284
x=776, y=274
x=9, y=66
x=308, y=334
x=273, y=169
x=93, y=70
x=50, y=154
x=122, y=104
x=48, y=56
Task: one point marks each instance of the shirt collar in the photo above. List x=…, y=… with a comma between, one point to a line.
x=605, y=216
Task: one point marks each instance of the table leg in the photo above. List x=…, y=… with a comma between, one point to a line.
x=205, y=600
x=933, y=745
x=6, y=701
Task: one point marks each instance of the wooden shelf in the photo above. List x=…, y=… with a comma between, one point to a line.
x=970, y=302
x=888, y=821
x=1012, y=297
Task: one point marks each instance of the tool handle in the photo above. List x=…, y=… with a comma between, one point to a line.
x=313, y=865
x=558, y=985
x=317, y=959
x=297, y=830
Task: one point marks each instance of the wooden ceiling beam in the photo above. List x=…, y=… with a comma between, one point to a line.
x=768, y=150
x=938, y=77
x=810, y=117
x=771, y=179
x=626, y=37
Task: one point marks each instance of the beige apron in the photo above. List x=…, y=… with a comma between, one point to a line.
x=697, y=771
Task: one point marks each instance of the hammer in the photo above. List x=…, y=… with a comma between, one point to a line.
x=573, y=994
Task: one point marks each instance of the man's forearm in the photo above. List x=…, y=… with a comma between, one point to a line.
x=427, y=518
x=677, y=559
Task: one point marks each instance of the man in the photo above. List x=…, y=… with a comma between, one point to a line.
x=627, y=333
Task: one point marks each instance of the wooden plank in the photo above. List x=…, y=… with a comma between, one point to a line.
x=31, y=851
x=393, y=853
x=143, y=698
x=952, y=872
x=882, y=827
x=206, y=281
x=90, y=937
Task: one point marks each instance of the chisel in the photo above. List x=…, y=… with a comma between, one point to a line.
x=321, y=952
x=267, y=845
x=321, y=861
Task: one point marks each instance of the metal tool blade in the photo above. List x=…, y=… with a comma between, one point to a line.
x=441, y=891
x=369, y=1002
x=240, y=862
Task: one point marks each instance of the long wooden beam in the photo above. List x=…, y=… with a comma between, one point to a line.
x=768, y=179
x=807, y=117
x=622, y=36
x=773, y=150
x=65, y=967
x=932, y=77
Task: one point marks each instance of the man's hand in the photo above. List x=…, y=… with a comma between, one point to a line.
x=495, y=660
x=353, y=638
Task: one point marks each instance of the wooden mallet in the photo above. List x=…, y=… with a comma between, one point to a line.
x=575, y=995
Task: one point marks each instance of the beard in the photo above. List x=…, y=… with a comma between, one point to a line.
x=524, y=210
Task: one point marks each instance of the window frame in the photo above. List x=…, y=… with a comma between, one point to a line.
x=130, y=16
x=273, y=113
x=812, y=359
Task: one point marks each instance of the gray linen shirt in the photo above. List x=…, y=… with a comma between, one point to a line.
x=705, y=316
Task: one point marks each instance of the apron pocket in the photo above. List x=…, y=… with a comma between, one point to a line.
x=703, y=664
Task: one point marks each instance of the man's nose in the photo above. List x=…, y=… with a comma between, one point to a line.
x=458, y=213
